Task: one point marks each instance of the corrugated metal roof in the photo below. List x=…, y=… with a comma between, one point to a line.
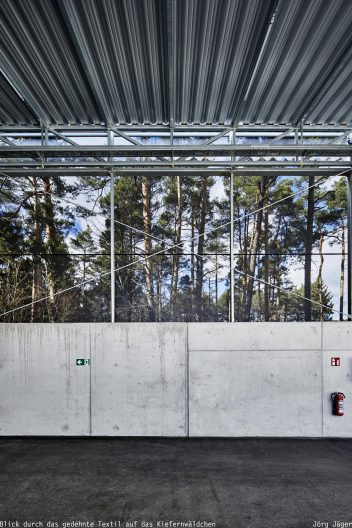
x=186, y=61
x=217, y=44
x=12, y=108
x=307, y=41
x=37, y=56
x=123, y=47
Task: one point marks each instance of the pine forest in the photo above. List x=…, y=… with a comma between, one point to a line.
x=172, y=256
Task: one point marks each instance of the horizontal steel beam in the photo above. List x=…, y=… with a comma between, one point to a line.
x=208, y=136
x=155, y=171
x=289, y=171
x=141, y=151
x=166, y=127
x=100, y=171
x=178, y=163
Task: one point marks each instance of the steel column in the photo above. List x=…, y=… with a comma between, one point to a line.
x=110, y=141
x=112, y=244
x=349, y=246
x=232, y=275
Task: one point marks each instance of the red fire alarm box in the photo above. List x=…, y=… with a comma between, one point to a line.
x=335, y=361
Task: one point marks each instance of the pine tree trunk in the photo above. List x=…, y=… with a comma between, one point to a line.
x=216, y=285
x=246, y=249
x=254, y=250
x=266, y=256
x=241, y=265
x=278, y=289
x=273, y=289
x=320, y=277
x=308, y=252
x=245, y=267
x=129, y=296
x=200, y=250
x=177, y=250
x=37, y=245
x=192, y=266
x=50, y=242
x=147, y=226
x=158, y=291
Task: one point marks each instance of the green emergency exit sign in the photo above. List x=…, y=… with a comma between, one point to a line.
x=82, y=361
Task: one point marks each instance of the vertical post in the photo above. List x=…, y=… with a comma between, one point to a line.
x=232, y=275
x=349, y=246
x=172, y=140
x=110, y=139
x=45, y=139
x=112, y=244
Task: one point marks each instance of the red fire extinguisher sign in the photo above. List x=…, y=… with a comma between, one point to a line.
x=335, y=361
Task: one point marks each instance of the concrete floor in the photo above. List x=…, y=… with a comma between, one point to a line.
x=233, y=482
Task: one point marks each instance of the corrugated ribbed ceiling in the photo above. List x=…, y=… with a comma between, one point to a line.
x=182, y=61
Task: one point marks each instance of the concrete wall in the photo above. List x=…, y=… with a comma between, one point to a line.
x=260, y=379
x=42, y=392
x=337, y=341
x=139, y=379
x=173, y=379
x=134, y=386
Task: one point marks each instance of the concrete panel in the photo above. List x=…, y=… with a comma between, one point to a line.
x=337, y=336
x=139, y=379
x=337, y=379
x=255, y=393
x=254, y=336
x=42, y=391
x=337, y=342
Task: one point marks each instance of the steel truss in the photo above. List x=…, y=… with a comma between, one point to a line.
x=145, y=149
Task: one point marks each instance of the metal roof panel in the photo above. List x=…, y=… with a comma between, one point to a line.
x=191, y=62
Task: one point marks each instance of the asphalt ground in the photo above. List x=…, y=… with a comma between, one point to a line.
x=150, y=482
